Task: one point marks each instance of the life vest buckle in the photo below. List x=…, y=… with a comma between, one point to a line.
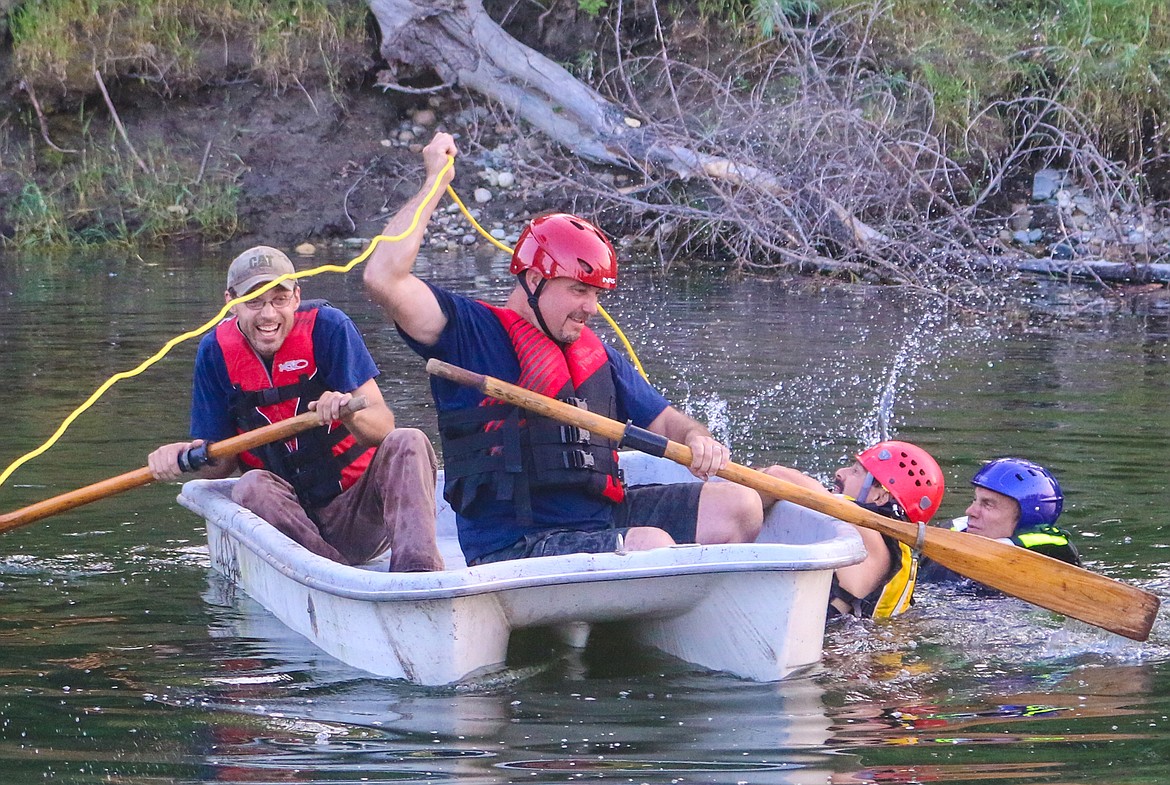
x=268, y=397
x=578, y=459
x=571, y=434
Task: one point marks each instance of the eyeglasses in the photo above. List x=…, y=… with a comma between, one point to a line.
x=278, y=301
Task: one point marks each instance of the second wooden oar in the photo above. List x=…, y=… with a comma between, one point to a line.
x=1055, y=585
x=124, y=482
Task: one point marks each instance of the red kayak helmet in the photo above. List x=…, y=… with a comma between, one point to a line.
x=909, y=473
x=560, y=245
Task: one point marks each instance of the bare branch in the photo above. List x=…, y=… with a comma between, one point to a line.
x=32, y=96
x=118, y=121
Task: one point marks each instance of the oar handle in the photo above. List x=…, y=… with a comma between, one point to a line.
x=225, y=448
x=195, y=458
x=1043, y=581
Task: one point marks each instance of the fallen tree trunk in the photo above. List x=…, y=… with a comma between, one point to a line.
x=460, y=42
x=1083, y=270
x=1098, y=270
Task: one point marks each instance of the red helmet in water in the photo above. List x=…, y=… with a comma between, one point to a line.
x=565, y=246
x=910, y=475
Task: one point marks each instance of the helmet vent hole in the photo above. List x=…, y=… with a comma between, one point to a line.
x=588, y=268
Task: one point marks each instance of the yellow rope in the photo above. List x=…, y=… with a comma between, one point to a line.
x=605, y=315
x=172, y=343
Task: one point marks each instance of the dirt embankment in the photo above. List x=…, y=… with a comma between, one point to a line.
x=312, y=166
x=310, y=169
x=309, y=166
x=319, y=171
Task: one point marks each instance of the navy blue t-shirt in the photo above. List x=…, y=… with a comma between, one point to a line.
x=475, y=340
x=343, y=363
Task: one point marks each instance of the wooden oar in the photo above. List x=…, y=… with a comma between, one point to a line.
x=124, y=482
x=1049, y=583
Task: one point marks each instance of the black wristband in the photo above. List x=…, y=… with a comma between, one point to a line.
x=643, y=440
x=195, y=458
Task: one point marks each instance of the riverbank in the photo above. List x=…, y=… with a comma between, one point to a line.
x=230, y=159
x=296, y=167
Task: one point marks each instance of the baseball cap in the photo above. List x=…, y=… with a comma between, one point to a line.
x=256, y=266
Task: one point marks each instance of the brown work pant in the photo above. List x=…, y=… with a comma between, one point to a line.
x=391, y=505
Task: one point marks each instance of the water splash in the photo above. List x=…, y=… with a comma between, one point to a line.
x=713, y=410
x=849, y=400
x=922, y=345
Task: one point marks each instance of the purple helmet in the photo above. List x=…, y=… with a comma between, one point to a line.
x=1030, y=484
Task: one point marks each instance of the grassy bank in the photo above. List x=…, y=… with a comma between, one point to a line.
x=954, y=97
x=57, y=44
x=86, y=181
x=1106, y=61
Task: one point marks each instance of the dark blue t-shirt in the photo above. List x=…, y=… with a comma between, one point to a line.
x=474, y=339
x=343, y=363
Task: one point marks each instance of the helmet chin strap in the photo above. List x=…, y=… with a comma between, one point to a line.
x=534, y=303
x=866, y=486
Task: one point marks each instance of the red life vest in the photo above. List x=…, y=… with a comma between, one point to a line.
x=492, y=451
x=319, y=463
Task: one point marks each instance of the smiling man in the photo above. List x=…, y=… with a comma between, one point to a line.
x=1016, y=502
x=346, y=490
x=522, y=485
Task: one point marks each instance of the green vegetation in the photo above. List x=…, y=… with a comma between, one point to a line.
x=60, y=43
x=755, y=16
x=104, y=192
x=103, y=195
x=1106, y=60
x=592, y=7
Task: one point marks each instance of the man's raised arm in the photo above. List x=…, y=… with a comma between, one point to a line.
x=389, y=277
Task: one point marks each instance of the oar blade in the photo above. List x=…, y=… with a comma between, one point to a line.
x=1046, y=582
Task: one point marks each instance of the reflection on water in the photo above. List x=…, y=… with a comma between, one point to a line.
x=123, y=661
x=572, y=716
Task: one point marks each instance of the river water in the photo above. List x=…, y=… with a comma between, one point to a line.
x=123, y=659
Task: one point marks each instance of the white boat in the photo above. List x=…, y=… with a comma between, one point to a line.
x=753, y=610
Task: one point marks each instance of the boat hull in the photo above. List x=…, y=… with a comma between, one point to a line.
x=754, y=610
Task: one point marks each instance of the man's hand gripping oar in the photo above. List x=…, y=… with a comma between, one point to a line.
x=1055, y=585
x=192, y=460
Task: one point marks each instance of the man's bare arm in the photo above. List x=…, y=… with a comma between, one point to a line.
x=388, y=276
x=708, y=455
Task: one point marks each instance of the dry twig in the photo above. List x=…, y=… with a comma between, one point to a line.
x=32, y=96
x=118, y=121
